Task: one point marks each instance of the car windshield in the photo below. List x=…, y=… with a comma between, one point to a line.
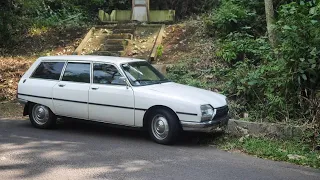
x=142, y=74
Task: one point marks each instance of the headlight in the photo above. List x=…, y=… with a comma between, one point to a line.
x=207, y=112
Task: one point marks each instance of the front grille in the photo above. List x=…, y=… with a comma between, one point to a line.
x=221, y=112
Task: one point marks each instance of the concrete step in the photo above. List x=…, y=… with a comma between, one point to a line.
x=109, y=53
x=120, y=36
x=112, y=48
x=126, y=31
x=126, y=26
x=117, y=42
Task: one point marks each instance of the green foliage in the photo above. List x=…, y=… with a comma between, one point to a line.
x=251, y=74
x=237, y=47
x=271, y=84
x=281, y=150
x=228, y=18
x=184, y=8
x=116, y=4
x=159, y=50
x=7, y=20
x=235, y=16
x=184, y=74
x=18, y=16
x=300, y=42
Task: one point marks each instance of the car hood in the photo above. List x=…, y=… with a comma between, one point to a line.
x=190, y=94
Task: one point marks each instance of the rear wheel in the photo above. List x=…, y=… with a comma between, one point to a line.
x=41, y=116
x=163, y=126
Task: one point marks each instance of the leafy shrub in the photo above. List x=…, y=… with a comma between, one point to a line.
x=300, y=42
x=184, y=8
x=18, y=16
x=239, y=46
x=185, y=73
x=231, y=16
x=278, y=84
x=159, y=50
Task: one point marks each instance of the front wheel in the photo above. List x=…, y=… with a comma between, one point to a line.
x=41, y=116
x=164, y=127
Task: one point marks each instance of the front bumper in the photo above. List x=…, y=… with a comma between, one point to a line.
x=208, y=126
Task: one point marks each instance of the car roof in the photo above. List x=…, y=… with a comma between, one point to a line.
x=110, y=59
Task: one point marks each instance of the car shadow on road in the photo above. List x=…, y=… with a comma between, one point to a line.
x=80, y=145
x=187, y=139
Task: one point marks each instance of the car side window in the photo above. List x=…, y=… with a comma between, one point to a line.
x=106, y=74
x=77, y=72
x=48, y=70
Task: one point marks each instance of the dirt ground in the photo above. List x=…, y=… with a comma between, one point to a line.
x=143, y=42
x=186, y=40
x=11, y=109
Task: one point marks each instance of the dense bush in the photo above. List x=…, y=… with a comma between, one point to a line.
x=17, y=16
x=272, y=84
x=184, y=8
x=236, y=16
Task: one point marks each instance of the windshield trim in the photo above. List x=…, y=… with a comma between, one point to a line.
x=163, y=80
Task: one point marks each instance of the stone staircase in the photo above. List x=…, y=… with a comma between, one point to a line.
x=116, y=42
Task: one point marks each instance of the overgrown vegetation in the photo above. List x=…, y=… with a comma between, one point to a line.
x=293, y=151
x=184, y=8
x=273, y=84
x=18, y=17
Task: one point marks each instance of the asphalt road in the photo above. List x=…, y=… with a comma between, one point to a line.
x=91, y=151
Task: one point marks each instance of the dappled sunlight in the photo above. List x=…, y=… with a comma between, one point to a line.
x=90, y=150
x=34, y=31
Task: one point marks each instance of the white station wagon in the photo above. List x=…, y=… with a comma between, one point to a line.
x=121, y=91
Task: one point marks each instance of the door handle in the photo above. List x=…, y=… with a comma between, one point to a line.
x=94, y=88
x=62, y=85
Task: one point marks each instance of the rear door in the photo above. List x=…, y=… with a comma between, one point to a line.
x=70, y=95
x=37, y=86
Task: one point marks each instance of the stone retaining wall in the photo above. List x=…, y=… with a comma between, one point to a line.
x=241, y=128
x=155, y=16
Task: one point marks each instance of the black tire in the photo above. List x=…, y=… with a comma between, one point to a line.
x=50, y=117
x=174, y=127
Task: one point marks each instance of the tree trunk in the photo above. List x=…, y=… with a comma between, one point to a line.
x=270, y=22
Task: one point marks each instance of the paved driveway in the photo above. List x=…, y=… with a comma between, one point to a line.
x=88, y=151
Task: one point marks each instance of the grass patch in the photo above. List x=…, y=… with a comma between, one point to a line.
x=292, y=151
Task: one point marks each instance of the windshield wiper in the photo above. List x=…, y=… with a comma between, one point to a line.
x=139, y=80
x=161, y=81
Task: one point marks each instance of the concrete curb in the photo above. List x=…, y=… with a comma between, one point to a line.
x=241, y=128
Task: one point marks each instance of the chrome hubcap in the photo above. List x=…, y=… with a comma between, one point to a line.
x=40, y=114
x=160, y=127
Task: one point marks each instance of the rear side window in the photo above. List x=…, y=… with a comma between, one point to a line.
x=48, y=70
x=77, y=72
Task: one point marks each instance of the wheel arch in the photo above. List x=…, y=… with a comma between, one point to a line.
x=152, y=109
x=26, y=108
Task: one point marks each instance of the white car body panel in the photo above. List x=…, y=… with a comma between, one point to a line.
x=105, y=103
x=71, y=100
x=41, y=95
x=123, y=105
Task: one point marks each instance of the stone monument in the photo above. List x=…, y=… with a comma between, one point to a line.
x=140, y=10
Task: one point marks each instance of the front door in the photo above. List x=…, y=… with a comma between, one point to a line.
x=70, y=95
x=110, y=100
